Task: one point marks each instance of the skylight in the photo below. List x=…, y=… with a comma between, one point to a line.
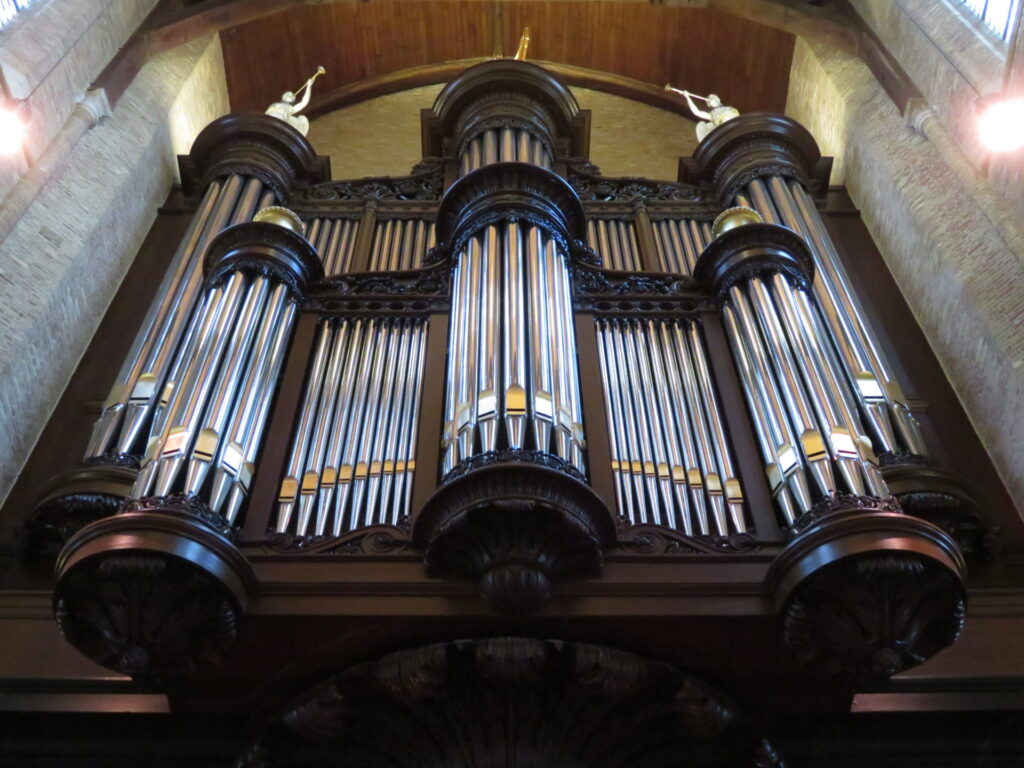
x=9, y=9
x=995, y=13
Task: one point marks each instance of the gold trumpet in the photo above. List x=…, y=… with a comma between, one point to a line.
x=524, y=43
x=319, y=71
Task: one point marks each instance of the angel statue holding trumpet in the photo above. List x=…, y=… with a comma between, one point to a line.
x=716, y=114
x=287, y=108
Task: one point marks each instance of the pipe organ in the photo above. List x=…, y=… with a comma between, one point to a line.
x=515, y=370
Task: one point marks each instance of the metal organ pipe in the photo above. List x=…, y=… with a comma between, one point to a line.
x=207, y=427
x=512, y=372
x=337, y=251
x=235, y=463
x=671, y=460
x=354, y=443
x=616, y=242
x=679, y=241
x=503, y=145
x=803, y=409
x=868, y=385
x=141, y=381
x=399, y=244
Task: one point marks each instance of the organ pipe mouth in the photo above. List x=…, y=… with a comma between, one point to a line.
x=731, y=218
x=282, y=217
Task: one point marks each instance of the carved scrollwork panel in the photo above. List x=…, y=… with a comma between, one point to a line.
x=513, y=702
x=589, y=184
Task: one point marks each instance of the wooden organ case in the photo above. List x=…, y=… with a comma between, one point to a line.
x=508, y=463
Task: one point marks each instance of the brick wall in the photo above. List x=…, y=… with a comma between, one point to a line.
x=962, y=283
x=49, y=55
x=62, y=263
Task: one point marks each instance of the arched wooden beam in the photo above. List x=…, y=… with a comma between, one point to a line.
x=432, y=74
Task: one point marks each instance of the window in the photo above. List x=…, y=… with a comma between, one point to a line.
x=995, y=13
x=10, y=8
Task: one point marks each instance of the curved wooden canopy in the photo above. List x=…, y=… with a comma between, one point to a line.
x=739, y=48
x=617, y=46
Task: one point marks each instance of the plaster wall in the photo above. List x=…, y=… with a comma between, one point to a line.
x=62, y=263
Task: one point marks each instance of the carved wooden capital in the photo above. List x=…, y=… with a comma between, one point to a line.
x=255, y=145
x=157, y=591
x=264, y=249
x=750, y=251
x=514, y=522
x=866, y=592
x=504, y=89
x=753, y=146
x=510, y=192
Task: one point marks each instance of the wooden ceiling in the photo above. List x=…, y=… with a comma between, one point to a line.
x=700, y=49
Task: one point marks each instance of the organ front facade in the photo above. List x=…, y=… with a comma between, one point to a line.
x=505, y=462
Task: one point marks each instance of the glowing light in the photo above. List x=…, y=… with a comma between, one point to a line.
x=1002, y=125
x=12, y=132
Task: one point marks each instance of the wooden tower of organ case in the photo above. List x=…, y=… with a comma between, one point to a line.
x=507, y=463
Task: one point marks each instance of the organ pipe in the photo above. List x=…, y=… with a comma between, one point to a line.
x=352, y=455
x=512, y=374
x=143, y=380
x=503, y=145
x=208, y=423
x=678, y=244
x=670, y=457
x=869, y=386
x=616, y=243
x=803, y=410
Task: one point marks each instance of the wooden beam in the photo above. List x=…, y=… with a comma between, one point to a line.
x=170, y=25
x=829, y=23
x=204, y=18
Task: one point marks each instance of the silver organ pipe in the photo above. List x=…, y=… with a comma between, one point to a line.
x=178, y=358
x=503, y=145
x=488, y=364
x=206, y=434
x=134, y=397
x=512, y=372
x=236, y=458
x=678, y=244
x=698, y=235
x=513, y=402
x=869, y=387
x=616, y=243
x=211, y=431
x=706, y=235
x=352, y=454
x=169, y=445
x=671, y=461
x=400, y=244
x=334, y=240
x=769, y=352
x=810, y=433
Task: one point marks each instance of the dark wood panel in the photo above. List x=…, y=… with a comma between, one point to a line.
x=699, y=49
